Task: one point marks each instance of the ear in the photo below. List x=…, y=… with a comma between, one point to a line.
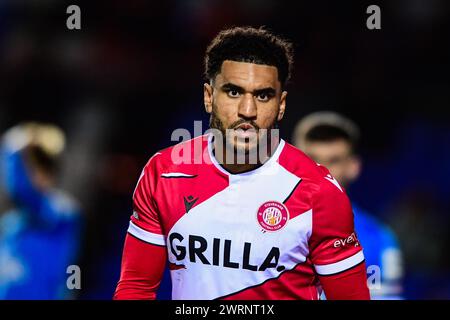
x=354, y=168
x=282, y=106
x=208, y=97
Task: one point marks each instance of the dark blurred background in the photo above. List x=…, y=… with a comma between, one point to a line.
x=133, y=74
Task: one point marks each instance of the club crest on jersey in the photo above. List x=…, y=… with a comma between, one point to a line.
x=272, y=216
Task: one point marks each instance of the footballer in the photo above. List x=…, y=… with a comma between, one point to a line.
x=279, y=227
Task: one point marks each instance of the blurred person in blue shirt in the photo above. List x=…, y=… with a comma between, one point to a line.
x=39, y=224
x=332, y=140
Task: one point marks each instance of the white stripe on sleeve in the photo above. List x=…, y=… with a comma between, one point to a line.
x=177, y=175
x=332, y=268
x=144, y=235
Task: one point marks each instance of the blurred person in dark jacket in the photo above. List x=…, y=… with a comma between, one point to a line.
x=39, y=224
x=332, y=140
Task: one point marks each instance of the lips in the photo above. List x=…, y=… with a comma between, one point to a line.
x=245, y=131
x=245, y=127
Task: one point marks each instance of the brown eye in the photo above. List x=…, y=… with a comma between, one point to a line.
x=263, y=97
x=233, y=93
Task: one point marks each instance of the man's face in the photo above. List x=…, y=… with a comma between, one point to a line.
x=337, y=157
x=245, y=97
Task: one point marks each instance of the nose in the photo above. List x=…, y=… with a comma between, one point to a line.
x=247, y=107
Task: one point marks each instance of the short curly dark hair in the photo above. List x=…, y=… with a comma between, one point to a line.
x=248, y=44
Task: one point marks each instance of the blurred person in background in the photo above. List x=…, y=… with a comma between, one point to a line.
x=39, y=224
x=332, y=140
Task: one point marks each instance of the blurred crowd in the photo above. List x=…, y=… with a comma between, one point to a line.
x=81, y=111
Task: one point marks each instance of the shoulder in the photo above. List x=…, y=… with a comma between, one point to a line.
x=388, y=237
x=315, y=176
x=380, y=230
x=178, y=156
x=297, y=162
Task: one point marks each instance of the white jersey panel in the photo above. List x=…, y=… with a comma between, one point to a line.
x=230, y=217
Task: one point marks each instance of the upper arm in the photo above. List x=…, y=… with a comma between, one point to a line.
x=144, y=254
x=48, y=208
x=334, y=246
x=145, y=222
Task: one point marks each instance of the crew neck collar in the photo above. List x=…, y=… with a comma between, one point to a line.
x=273, y=158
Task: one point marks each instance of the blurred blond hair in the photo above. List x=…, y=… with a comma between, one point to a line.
x=48, y=137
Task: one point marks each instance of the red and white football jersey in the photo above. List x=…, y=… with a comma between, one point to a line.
x=263, y=234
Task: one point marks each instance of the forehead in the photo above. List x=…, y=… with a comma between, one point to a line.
x=247, y=75
x=327, y=149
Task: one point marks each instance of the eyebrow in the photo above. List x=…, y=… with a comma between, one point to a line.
x=230, y=86
x=268, y=91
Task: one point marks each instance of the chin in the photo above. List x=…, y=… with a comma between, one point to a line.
x=247, y=147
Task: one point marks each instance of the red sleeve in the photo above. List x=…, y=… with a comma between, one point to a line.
x=348, y=285
x=142, y=270
x=144, y=253
x=145, y=221
x=334, y=247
